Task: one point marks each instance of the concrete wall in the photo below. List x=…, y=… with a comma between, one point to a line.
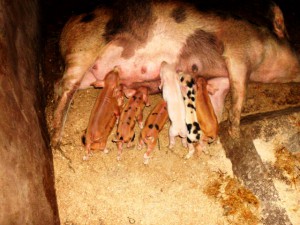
x=27, y=194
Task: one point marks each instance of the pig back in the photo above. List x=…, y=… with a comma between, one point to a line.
x=155, y=120
x=102, y=118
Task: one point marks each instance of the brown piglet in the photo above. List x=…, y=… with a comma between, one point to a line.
x=205, y=112
x=153, y=125
x=104, y=114
x=132, y=112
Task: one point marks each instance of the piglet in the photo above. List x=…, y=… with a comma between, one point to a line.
x=188, y=90
x=175, y=105
x=205, y=112
x=153, y=125
x=104, y=114
x=132, y=112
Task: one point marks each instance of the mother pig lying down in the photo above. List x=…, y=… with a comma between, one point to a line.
x=222, y=49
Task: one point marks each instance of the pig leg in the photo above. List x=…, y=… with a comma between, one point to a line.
x=238, y=80
x=203, y=144
x=172, y=135
x=117, y=114
x=147, y=155
x=220, y=88
x=63, y=103
x=191, y=150
x=120, y=148
x=106, y=150
x=131, y=142
x=140, y=120
x=151, y=145
x=88, y=152
x=141, y=143
x=64, y=92
x=184, y=142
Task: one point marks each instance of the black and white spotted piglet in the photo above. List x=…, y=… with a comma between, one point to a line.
x=188, y=90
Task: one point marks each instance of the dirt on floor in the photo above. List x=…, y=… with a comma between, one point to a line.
x=171, y=189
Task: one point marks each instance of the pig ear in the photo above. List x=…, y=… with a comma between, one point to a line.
x=278, y=22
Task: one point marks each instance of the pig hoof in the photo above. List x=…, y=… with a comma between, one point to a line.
x=85, y=158
x=130, y=145
x=171, y=146
x=146, y=159
x=118, y=157
x=139, y=147
x=141, y=126
x=106, y=150
x=188, y=156
x=184, y=142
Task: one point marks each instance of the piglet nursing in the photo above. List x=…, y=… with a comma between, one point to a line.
x=104, y=114
x=132, y=112
x=188, y=90
x=175, y=104
x=153, y=125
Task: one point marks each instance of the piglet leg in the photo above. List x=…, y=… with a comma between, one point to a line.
x=88, y=152
x=191, y=150
x=120, y=148
x=184, y=142
x=147, y=156
x=151, y=147
x=140, y=120
x=141, y=144
x=172, y=136
x=131, y=142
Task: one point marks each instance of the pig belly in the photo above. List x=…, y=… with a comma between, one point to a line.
x=142, y=67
